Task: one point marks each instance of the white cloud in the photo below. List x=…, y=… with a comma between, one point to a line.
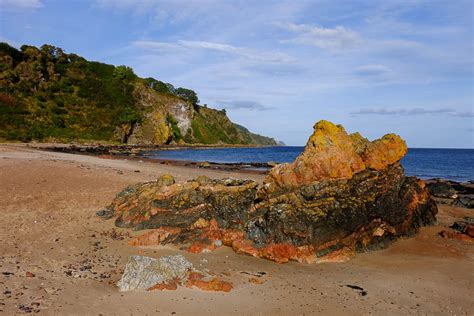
x=21, y=4
x=337, y=38
x=249, y=54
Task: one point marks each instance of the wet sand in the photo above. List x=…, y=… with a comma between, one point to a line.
x=57, y=257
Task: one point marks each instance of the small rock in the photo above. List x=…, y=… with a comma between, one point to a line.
x=29, y=274
x=204, y=164
x=165, y=180
x=255, y=281
x=142, y=273
x=106, y=213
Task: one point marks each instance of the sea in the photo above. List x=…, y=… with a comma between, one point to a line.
x=425, y=163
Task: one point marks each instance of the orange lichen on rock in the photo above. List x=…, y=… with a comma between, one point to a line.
x=331, y=153
x=198, y=247
x=279, y=253
x=245, y=247
x=384, y=151
x=256, y=281
x=154, y=237
x=198, y=280
x=171, y=286
x=456, y=235
x=341, y=255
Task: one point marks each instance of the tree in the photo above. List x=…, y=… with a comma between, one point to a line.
x=171, y=88
x=12, y=51
x=159, y=86
x=188, y=95
x=124, y=73
x=52, y=52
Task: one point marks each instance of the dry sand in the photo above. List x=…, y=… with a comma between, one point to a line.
x=49, y=232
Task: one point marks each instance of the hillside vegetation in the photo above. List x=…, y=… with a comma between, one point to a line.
x=49, y=95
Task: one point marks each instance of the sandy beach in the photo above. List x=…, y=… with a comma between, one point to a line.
x=58, y=257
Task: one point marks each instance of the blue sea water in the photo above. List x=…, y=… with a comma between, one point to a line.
x=425, y=163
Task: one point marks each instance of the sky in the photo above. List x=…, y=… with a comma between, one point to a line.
x=277, y=67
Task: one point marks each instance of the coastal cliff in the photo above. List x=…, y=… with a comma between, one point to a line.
x=48, y=95
x=342, y=195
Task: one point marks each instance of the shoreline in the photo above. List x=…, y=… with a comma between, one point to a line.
x=139, y=152
x=58, y=257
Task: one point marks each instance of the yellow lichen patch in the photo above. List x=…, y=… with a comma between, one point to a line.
x=384, y=151
x=200, y=223
x=333, y=154
x=160, y=127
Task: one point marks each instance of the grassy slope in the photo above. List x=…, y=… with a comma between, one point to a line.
x=46, y=94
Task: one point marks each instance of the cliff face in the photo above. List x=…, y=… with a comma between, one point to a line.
x=46, y=94
x=342, y=195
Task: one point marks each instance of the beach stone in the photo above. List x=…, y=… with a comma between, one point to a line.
x=462, y=230
x=342, y=195
x=142, y=273
x=165, y=180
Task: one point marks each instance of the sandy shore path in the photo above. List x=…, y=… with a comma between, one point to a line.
x=57, y=257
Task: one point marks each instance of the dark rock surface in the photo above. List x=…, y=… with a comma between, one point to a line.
x=451, y=192
x=342, y=195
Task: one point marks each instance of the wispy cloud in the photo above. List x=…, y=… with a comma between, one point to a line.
x=371, y=70
x=412, y=111
x=154, y=45
x=336, y=38
x=243, y=105
x=243, y=52
x=21, y=4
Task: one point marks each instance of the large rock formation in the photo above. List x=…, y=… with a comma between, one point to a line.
x=343, y=194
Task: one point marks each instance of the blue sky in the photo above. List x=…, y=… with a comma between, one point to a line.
x=277, y=67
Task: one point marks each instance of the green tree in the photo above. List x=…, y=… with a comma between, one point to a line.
x=124, y=73
x=188, y=95
x=6, y=49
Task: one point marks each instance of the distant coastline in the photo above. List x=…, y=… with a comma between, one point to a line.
x=425, y=163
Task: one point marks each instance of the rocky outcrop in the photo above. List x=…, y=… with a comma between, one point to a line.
x=451, y=192
x=331, y=153
x=343, y=194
